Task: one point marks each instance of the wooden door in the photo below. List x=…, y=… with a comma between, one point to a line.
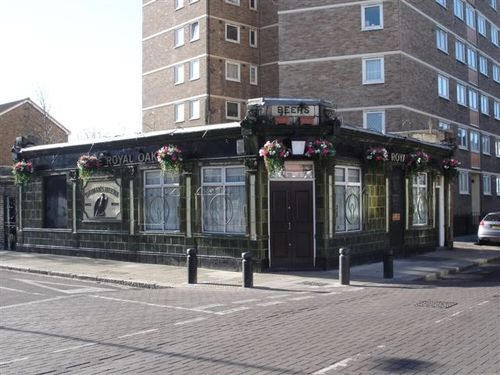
x=291, y=224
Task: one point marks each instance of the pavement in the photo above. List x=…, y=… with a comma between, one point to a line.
x=465, y=254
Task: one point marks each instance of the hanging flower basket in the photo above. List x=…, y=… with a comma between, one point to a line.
x=87, y=165
x=320, y=148
x=450, y=167
x=170, y=159
x=22, y=171
x=274, y=154
x=417, y=161
x=376, y=157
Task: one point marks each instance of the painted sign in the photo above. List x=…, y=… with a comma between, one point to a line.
x=398, y=158
x=102, y=200
x=295, y=110
x=123, y=159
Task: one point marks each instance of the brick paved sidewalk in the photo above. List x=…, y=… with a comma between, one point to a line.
x=429, y=265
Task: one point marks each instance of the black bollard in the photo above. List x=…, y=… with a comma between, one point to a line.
x=192, y=266
x=389, y=264
x=344, y=266
x=247, y=270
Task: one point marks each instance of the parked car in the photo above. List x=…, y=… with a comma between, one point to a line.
x=489, y=228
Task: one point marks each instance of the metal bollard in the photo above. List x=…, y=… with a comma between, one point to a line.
x=389, y=264
x=247, y=270
x=192, y=266
x=344, y=266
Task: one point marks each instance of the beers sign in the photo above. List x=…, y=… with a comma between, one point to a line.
x=102, y=200
x=295, y=110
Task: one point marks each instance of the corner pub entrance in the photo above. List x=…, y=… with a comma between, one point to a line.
x=330, y=185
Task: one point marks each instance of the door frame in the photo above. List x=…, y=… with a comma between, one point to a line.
x=290, y=180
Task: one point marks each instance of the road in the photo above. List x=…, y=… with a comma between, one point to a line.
x=51, y=325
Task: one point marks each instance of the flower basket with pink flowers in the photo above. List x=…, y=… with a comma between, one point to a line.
x=170, y=158
x=22, y=171
x=376, y=157
x=417, y=161
x=87, y=165
x=450, y=167
x=274, y=154
x=320, y=148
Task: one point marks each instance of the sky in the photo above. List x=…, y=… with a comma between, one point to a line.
x=82, y=56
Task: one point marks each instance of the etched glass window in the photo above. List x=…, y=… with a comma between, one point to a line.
x=224, y=200
x=420, y=201
x=347, y=199
x=161, y=201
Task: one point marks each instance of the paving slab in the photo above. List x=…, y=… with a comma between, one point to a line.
x=430, y=265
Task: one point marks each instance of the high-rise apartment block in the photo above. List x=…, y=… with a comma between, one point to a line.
x=415, y=67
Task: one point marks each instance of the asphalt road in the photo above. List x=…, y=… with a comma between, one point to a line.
x=51, y=325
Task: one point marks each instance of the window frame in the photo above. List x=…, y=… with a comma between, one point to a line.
x=179, y=74
x=255, y=69
x=498, y=185
x=443, y=80
x=162, y=185
x=239, y=110
x=255, y=4
x=458, y=6
x=419, y=187
x=481, y=25
x=191, y=106
x=460, y=51
x=497, y=148
x=235, y=63
x=470, y=16
x=238, y=33
x=380, y=80
x=179, y=37
x=485, y=109
x=178, y=4
x=253, y=31
x=179, y=109
x=486, y=144
x=472, y=96
x=474, y=142
x=471, y=59
x=461, y=93
x=363, y=14
x=483, y=65
x=346, y=183
x=496, y=110
x=495, y=72
x=463, y=183
x=191, y=28
x=442, y=40
x=193, y=77
x=463, y=135
x=442, y=3
x=224, y=184
x=486, y=184
x=365, y=120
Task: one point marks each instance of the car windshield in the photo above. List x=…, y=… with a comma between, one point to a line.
x=492, y=217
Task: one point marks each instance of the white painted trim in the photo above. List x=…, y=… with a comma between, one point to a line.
x=175, y=27
x=270, y=63
x=239, y=71
x=174, y=64
x=269, y=26
x=365, y=123
x=323, y=7
x=14, y=107
x=330, y=206
x=239, y=110
x=340, y=57
x=238, y=28
x=387, y=211
x=131, y=208
x=73, y=206
x=149, y=2
x=365, y=81
x=188, y=207
x=175, y=102
x=407, y=204
x=441, y=224
x=253, y=210
x=401, y=106
x=231, y=99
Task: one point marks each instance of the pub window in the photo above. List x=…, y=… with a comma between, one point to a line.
x=372, y=17
x=56, y=206
x=223, y=200
x=347, y=199
x=373, y=70
x=463, y=182
x=232, y=33
x=420, y=203
x=161, y=201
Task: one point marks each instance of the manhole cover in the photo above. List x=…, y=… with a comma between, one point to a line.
x=436, y=304
x=314, y=283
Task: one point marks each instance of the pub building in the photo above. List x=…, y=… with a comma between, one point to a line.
x=329, y=185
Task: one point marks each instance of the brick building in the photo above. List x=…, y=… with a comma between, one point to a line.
x=416, y=68
x=21, y=118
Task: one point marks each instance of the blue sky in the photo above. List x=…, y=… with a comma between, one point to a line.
x=83, y=55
